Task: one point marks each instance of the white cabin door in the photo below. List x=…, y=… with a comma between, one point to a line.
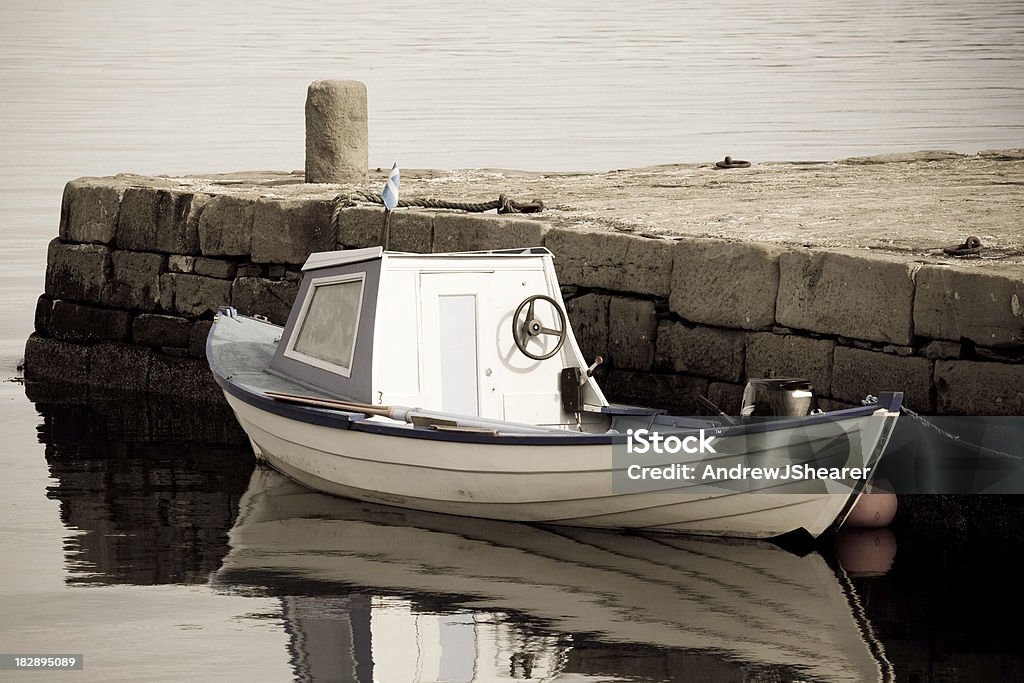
x=450, y=361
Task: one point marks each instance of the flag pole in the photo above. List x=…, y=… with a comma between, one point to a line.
x=390, y=198
x=385, y=230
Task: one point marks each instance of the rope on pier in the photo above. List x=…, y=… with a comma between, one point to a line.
x=503, y=204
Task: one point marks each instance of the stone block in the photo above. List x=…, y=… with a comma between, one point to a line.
x=160, y=220
x=271, y=298
x=197, y=338
x=791, y=356
x=613, y=261
x=972, y=388
x=411, y=231
x=119, y=366
x=89, y=211
x=705, y=351
x=479, y=232
x=161, y=330
x=44, y=308
x=181, y=264
x=289, y=230
x=190, y=378
x=728, y=397
x=337, y=132
x=941, y=349
x=193, y=296
x=983, y=305
x=226, y=226
x=729, y=284
x=56, y=361
x=675, y=393
x=80, y=323
x=77, y=272
x=135, y=282
x=857, y=373
x=588, y=315
x=853, y=294
x=219, y=268
x=276, y=271
x=632, y=324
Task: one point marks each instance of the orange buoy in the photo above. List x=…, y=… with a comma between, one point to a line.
x=865, y=552
x=873, y=509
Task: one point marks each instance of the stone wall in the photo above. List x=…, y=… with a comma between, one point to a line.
x=140, y=265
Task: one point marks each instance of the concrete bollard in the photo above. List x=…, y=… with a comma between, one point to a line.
x=337, y=147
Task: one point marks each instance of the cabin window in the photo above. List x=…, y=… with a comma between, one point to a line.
x=325, y=334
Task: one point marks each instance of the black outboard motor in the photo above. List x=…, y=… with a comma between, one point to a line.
x=778, y=397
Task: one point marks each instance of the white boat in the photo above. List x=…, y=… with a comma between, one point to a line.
x=711, y=608
x=512, y=425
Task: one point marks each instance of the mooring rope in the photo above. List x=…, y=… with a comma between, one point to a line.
x=503, y=204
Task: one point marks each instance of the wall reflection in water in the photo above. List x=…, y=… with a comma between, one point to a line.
x=150, y=486
x=165, y=493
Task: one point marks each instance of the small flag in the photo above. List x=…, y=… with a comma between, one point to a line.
x=390, y=193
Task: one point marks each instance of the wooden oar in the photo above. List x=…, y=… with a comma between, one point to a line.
x=384, y=411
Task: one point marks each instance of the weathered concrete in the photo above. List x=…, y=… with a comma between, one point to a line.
x=82, y=323
x=135, y=281
x=728, y=397
x=864, y=296
x=972, y=388
x=337, y=132
x=260, y=296
x=410, y=231
x=462, y=232
x=705, y=351
x=181, y=264
x=163, y=221
x=77, y=272
x=89, y=212
x=121, y=366
x=791, y=356
x=56, y=361
x=185, y=376
x=985, y=307
x=289, y=230
x=588, y=315
x=161, y=330
x=674, y=393
x=197, y=338
x=857, y=373
x=603, y=260
x=728, y=284
x=632, y=324
x=43, y=313
x=212, y=267
x=226, y=226
x=713, y=293
x=193, y=296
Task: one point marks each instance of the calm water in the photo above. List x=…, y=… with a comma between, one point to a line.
x=147, y=542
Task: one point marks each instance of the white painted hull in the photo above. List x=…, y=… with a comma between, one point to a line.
x=570, y=484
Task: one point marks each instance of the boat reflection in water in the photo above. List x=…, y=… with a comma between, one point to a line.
x=378, y=593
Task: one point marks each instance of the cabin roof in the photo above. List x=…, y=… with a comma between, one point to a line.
x=327, y=259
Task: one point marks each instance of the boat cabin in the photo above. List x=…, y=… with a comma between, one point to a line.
x=482, y=334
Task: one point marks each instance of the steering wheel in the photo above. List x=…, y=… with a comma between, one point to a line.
x=532, y=327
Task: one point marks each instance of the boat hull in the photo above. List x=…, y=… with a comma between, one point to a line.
x=569, y=481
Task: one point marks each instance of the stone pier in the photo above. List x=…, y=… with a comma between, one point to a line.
x=686, y=279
